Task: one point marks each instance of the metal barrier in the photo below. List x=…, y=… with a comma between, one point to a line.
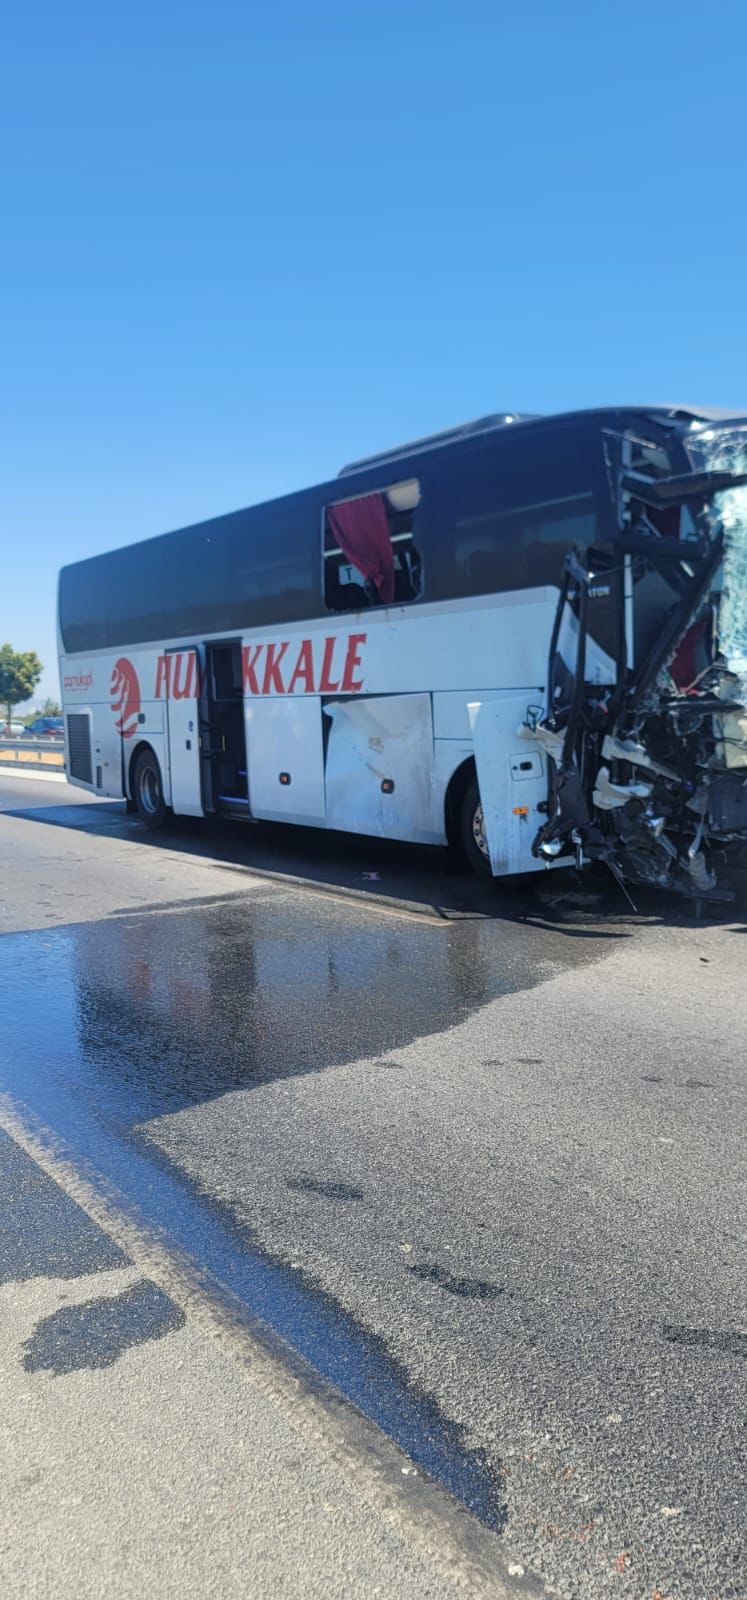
x=31, y=752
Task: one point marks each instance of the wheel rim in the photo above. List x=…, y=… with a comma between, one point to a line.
x=478, y=832
x=150, y=790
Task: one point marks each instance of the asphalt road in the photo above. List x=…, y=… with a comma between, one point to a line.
x=477, y=1155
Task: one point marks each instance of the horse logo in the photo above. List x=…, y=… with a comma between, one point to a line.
x=125, y=696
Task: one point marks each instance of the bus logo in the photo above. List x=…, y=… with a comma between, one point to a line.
x=125, y=697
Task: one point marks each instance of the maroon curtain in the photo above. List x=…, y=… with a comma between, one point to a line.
x=361, y=528
x=684, y=665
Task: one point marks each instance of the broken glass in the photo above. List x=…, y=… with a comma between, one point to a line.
x=716, y=449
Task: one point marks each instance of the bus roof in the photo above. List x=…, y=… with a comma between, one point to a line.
x=502, y=419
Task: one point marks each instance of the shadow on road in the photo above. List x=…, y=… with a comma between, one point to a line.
x=406, y=877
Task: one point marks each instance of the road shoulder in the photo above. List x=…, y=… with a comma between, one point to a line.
x=153, y=1443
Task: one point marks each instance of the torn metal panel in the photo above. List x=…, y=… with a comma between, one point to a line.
x=648, y=763
x=632, y=751
x=609, y=796
x=378, y=770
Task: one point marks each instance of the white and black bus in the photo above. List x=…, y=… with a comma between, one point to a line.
x=508, y=635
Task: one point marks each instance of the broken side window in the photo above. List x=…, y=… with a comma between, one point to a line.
x=370, y=558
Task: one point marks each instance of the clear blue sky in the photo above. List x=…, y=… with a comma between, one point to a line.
x=242, y=242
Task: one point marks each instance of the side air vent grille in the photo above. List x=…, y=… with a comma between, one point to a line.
x=79, y=746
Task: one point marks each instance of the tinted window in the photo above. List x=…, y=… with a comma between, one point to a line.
x=83, y=606
x=530, y=542
x=252, y=568
x=275, y=562
x=196, y=582
x=133, y=601
x=514, y=503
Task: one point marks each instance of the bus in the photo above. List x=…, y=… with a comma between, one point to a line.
x=525, y=637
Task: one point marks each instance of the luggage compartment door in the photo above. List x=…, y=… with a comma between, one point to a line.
x=379, y=773
x=286, y=760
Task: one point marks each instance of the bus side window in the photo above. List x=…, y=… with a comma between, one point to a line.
x=369, y=553
x=517, y=504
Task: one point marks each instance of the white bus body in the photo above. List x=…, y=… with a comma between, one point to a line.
x=410, y=699
x=385, y=719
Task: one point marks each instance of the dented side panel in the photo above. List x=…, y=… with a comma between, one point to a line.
x=379, y=768
x=512, y=777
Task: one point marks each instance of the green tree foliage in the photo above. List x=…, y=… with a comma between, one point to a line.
x=20, y=671
x=51, y=708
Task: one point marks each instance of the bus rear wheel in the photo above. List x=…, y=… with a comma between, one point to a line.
x=147, y=790
x=474, y=841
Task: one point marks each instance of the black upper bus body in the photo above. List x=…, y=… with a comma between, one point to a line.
x=500, y=503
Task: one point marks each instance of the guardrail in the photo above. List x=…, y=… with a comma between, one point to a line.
x=31, y=752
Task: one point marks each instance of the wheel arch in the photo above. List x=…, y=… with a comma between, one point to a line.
x=456, y=789
x=142, y=744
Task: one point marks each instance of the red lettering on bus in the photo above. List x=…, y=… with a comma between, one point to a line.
x=272, y=678
x=353, y=660
x=304, y=669
x=249, y=655
x=184, y=690
x=326, y=686
x=163, y=677
x=264, y=676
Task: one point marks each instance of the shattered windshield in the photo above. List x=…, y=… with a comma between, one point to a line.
x=717, y=449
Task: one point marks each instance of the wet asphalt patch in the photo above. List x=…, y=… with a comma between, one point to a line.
x=733, y=1344
x=144, y=1013
x=97, y=1332
x=330, y=1190
x=154, y=1011
x=465, y=1288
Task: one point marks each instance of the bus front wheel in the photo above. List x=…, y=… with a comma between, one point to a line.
x=147, y=790
x=474, y=841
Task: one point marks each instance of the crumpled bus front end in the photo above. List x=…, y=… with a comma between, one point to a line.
x=649, y=773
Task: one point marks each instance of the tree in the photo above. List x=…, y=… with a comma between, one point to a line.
x=20, y=671
x=51, y=708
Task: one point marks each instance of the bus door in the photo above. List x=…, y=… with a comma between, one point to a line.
x=224, y=764
x=184, y=684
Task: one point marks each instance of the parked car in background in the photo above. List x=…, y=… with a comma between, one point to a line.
x=12, y=730
x=45, y=728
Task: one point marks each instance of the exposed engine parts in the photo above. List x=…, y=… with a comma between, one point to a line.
x=648, y=771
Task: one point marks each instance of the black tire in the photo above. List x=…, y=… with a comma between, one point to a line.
x=472, y=834
x=147, y=790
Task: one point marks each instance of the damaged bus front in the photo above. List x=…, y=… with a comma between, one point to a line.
x=648, y=773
